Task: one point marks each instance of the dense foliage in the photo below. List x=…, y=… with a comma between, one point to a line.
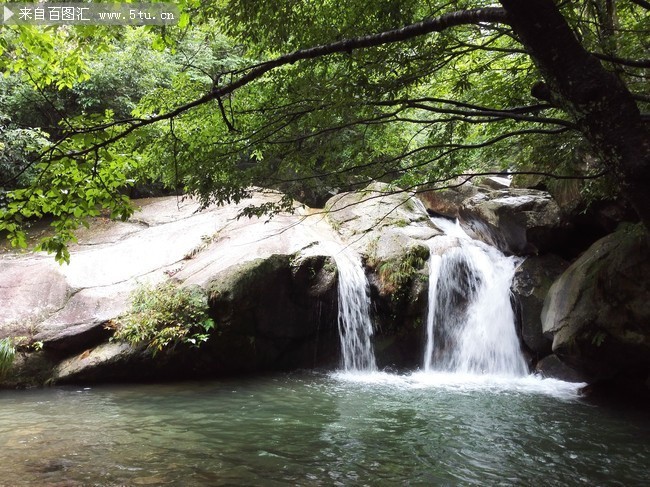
x=212, y=107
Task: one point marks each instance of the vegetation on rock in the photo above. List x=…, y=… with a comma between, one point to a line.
x=396, y=273
x=164, y=316
x=7, y=354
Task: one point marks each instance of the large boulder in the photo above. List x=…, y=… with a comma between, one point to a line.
x=516, y=221
x=551, y=367
x=380, y=222
x=29, y=368
x=532, y=280
x=107, y=361
x=597, y=311
x=587, y=219
x=495, y=182
x=59, y=313
x=448, y=201
x=275, y=313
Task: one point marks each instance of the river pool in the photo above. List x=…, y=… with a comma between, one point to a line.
x=317, y=429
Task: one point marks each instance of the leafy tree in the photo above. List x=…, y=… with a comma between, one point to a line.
x=410, y=92
x=17, y=145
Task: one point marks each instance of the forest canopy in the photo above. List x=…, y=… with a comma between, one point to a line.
x=314, y=98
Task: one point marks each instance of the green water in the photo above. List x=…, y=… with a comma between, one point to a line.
x=317, y=429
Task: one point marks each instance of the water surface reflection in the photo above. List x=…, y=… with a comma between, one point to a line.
x=318, y=429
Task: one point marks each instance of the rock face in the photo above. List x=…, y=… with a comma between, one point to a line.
x=65, y=309
x=588, y=220
x=447, y=202
x=597, y=311
x=380, y=223
x=552, y=367
x=389, y=229
x=516, y=221
x=533, y=278
x=107, y=360
x=272, y=297
x=276, y=312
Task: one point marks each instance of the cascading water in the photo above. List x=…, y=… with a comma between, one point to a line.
x=355, y=325
x=470, y=321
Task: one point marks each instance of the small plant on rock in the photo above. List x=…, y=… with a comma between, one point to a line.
x=7, y=354
x=164, y=316
x=396, y=273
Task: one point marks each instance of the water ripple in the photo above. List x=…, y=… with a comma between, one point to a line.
x=313, y=430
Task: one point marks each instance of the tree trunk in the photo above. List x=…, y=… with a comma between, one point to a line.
x=600, y=103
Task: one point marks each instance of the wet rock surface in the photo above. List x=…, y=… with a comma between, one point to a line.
x=273, y=293
x=390, y=229
x=517, y=221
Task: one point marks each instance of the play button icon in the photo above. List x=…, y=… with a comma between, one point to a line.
x=7, y=14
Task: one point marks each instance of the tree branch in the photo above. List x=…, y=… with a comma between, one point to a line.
x=449, y=148
x=230, y=126
x=437, y=24
x=634, y=63
x=496, y=114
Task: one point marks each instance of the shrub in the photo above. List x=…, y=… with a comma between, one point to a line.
x=164, y=316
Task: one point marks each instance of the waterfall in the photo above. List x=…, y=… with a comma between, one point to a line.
x=470, y=321
x=355, y=325
x=434, y=272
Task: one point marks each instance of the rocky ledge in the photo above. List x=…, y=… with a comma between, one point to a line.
x=271, y=288
x=275, y=305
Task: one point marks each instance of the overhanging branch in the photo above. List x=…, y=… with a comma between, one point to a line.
x=437, y=24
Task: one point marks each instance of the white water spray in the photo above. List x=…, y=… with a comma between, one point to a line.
x=470, y=321
x=355, y=325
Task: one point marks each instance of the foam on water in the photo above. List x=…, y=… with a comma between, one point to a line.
x=464, y=383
